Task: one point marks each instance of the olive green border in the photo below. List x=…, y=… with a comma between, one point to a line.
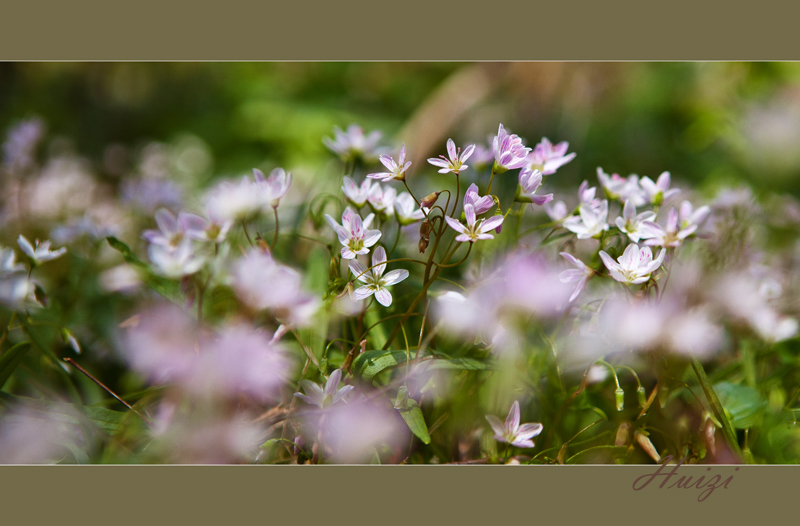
x=406, y=30
x=390, y=494
x=410, y=30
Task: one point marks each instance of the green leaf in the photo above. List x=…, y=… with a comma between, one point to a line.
x=377, y=334
x=10, y=359
x=272, y=441
x=106, y=419
x=717, y=408
x=164, y=287
x=464, y=364
x=742, y=403
x=598, y=455
x=412, y=414
x=369, y=363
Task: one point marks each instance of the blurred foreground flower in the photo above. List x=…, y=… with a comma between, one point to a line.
x=28, y=436
x=263, y=284
x=352, y=433
x=578, y=275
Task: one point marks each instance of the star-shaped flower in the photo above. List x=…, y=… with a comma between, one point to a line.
x=631, y=223
x=511, y=432
x=688, y=216
x=590, y=223
x=213, y=229
x=327, y=396
x=353, y=233
x=635, y=265
x=41, y=252
x=671, y=235
x=356, y=194
x=353, y=144
x=375, y=281
x=406, y=211
x=658, y=192
x=397, y=170
x=474, y=230
x=455, y=163
x=617, y=187
x=271, y=189
x=381, y=200
x=548, y=158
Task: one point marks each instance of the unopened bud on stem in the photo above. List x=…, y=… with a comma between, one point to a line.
x=619, y=396
x=642, y=394
x=430, y=200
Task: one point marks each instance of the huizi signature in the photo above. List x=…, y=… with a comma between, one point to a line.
x=684, y=482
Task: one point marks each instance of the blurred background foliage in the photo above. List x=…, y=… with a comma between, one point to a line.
x=705, y=122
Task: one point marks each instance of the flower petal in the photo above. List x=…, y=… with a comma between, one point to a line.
x=383, y=296
x=497, y=425
x=393, y=277
x=512, y=420
x=363, y=293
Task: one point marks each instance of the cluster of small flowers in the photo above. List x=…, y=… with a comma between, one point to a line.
x=637, y=264
x=171, y=248
x=237, y=360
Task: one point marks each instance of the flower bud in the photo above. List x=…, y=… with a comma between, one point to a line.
x=430, y=200
x=709, y=432
x=423, y=245
x=644, y=443
x=424, y=235
x=70, y=340
x=642, y=395
x=619, y=396
x=622, y=434
x=425, y=229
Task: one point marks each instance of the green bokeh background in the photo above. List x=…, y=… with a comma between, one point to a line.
x=705, y=122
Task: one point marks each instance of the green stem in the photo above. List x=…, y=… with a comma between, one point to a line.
x=716, y=407
x=458, y=194
x=275, y=237
x=491, y=179
x=244, y=226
